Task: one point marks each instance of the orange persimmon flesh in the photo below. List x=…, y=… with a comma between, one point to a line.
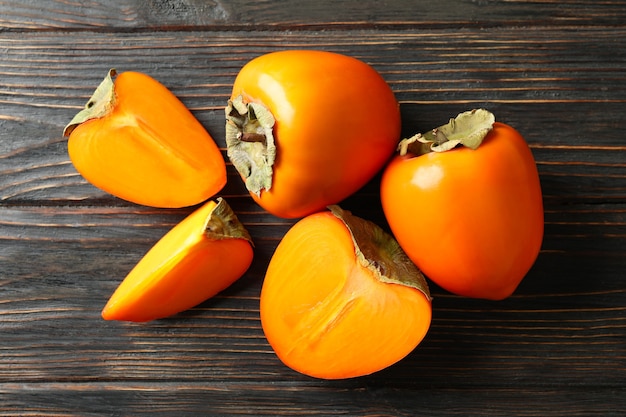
x=136, y=140
x=198, y=258
x=327, y=315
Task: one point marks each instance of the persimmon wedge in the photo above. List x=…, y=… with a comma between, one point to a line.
x=137, y=141
x=340, y=298
x=198, y=258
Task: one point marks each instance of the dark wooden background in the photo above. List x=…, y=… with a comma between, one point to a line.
x=556, y=70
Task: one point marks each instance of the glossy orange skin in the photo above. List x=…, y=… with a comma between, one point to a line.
x=327, y=316
x=471, y=220
x=337, y=124
x=183, y=269
x=149, y=149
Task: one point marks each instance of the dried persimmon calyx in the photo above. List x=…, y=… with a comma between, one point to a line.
x=381, y=253
x=99, y=105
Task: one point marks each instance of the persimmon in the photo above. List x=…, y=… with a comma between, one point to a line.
x=137, y=141
x=340, y=298
x=464, y=201
x=306, y=129
x=201, y=256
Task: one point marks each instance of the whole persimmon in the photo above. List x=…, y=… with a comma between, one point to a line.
x=340, y=298
x=307, y=128
x=137, y=141
x=464, y=201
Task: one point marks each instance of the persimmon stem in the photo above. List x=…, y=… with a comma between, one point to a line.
x=252, y=137
x=467, y=129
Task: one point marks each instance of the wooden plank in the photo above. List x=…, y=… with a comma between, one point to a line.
x=564, y=326
x=103, y=15
x=568, y=82
x=327, y=399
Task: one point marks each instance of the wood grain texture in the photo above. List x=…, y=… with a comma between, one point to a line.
x=109, y=15
x=554, y=70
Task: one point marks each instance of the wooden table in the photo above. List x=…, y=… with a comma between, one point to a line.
x=556, y=70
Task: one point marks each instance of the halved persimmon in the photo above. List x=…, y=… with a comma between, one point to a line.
x=340, y=298
x=137, y=141
x=198, y=258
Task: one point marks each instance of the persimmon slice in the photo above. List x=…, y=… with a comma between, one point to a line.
x=340, y=298
x=137, y=141
x=198, y=258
